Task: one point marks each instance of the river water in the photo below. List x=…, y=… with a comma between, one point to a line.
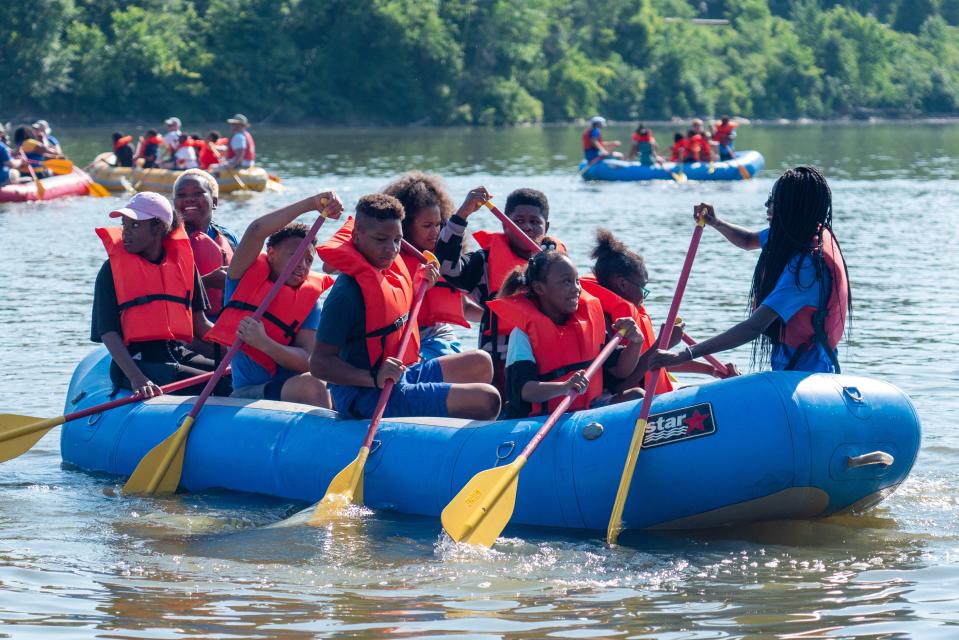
x=79, y=561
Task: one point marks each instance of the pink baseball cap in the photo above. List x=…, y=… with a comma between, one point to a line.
x=146, y=205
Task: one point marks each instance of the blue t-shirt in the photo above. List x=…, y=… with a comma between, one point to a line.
x=4, y=159
x=786, y=299
x=592, y=152
x=247, y=371
x=343, y=322
x=215, y=229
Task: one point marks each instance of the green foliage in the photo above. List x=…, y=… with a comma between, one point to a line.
x=482, y=62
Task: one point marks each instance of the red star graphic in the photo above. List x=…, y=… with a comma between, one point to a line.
x=695, y=422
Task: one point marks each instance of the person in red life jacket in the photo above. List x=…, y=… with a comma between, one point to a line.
x=619, y=282
x=427, y=207
x=724, y=134
x=363, y=321
x=195, y=198
x=274, y=362
x=645, y=147
x=557, y=330
x=801, y=297
x=697, y=147
x=678, y=150
x=480, y=273
x=148, y=301
x=149, y=149
x=211, y=150
x=593, y=144
x=122, y=149
x=241, y=151
x=185, y=155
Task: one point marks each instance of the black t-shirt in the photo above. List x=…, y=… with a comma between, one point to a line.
x=106, y=313
x=124, y=156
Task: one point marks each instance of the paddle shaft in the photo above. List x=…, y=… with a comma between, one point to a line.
x=511, y=227
x=570, y=396
x=33, y=174
x=719, y=366
x=260, y=310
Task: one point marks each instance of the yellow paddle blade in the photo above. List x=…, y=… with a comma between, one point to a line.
x=18, y=434
x=616, y=517
x=41, y=190
x=160, y=469
x=345, y=489
x=712, y=167
x=59, y=166
x=680, y=178
x=97, y=190
x=483, y=508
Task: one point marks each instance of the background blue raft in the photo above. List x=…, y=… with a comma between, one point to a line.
x=621, y=170
x=779, y=451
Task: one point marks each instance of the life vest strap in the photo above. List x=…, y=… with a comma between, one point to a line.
x=289, y=330
x=555, y=374
x=396, y=325
x=155, y=297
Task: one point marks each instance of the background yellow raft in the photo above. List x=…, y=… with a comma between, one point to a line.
x=161, y=180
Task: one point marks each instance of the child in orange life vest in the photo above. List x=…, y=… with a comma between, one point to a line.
x=697, y=147
x=148, y=149
x=195, y=197
x=274, y=361
x=428, y=206
x=122, y=149
x=678, y=150
x=619, y=282
x=724, y=135
x=148, y=301
x=557, y=330
x=481, y=273
x=185, y=155
x=645, y=147
x=800, y=292
x=211, y=150
x=364, y=318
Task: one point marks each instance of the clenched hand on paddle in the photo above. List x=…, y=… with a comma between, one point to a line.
x=347, y=486
x=160, y=469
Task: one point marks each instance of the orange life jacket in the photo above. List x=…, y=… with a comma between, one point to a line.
x=587, y=141
x=502, y=259
x=387, y=296
x=442, y=303
x=560, y=350
x=697, y=148
x=646, y=137
x=210, y=255
x=249, y=154
x=801, y=330
x=722, y=132
x=122, y=142
x=678, y=151
x=616, y=307
x=283, y=317
x=154, y=299
x=146, y=142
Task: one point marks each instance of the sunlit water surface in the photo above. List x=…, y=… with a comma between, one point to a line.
x=78, y=560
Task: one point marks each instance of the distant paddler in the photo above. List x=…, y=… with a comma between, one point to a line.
x=594, y=147
x=148, y=300
x=800, y=293
x=9, y=165
x=241, y=151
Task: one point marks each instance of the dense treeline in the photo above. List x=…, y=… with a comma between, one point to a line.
x=476, y=61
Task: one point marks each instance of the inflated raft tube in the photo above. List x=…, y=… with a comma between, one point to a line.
x=71, y=184
x=161, y=180
x=746, y=165
x=758, y=447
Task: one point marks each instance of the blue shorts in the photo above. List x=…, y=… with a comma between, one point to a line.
x=270, y=390
x=420, y=392
x=432, y=348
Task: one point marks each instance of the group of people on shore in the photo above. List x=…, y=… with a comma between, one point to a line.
x=181, y=151
x=697, y=145
x=177, y=287
x=29, y=146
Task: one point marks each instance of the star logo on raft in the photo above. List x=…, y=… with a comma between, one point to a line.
x=679, y=424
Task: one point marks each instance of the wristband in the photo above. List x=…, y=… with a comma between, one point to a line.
x=689, y=353
x=373, y=374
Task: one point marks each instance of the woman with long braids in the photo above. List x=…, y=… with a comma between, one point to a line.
x=800, y=296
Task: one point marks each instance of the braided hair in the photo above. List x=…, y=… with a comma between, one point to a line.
x=802, y=210
x=521, y=279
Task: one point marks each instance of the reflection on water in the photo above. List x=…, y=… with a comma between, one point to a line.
x=79, y=560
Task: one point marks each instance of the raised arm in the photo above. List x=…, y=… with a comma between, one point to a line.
x=260, y=229
x=740, y=236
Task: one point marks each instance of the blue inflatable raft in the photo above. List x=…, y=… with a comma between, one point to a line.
x=746, y=165
x=758, y=447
